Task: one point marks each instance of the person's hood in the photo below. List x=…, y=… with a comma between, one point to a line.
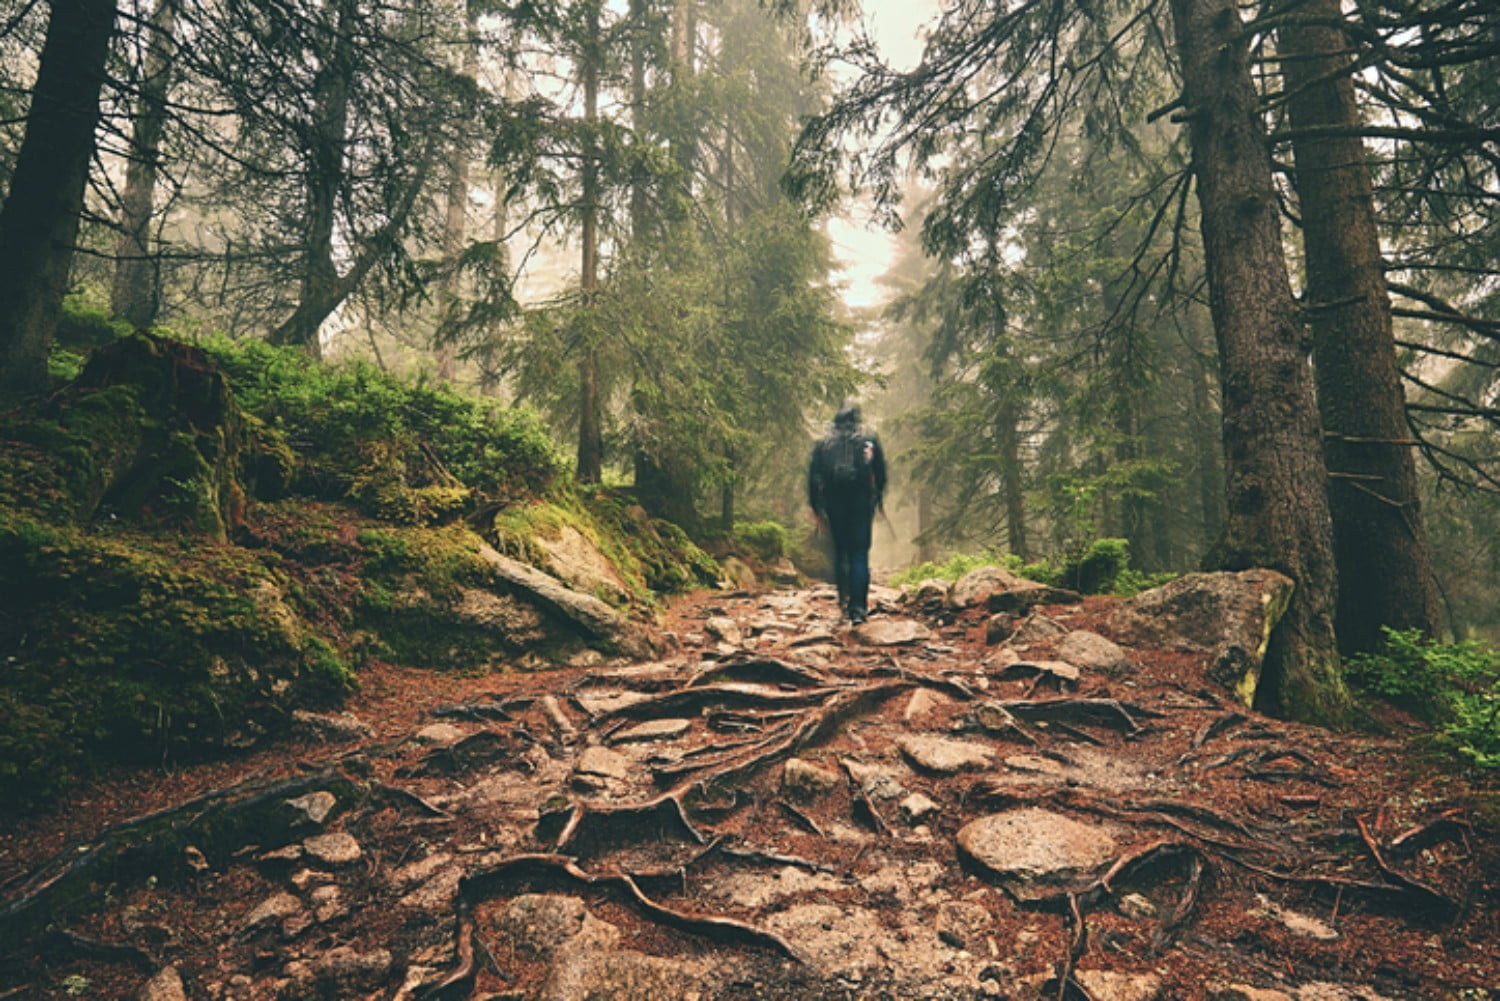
x=847, y=417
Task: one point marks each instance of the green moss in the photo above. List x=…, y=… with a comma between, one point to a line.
x=128, y=645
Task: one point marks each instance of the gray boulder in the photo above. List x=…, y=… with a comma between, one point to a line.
x=1229, y=616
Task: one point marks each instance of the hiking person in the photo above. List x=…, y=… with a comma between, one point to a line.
x=845, y=484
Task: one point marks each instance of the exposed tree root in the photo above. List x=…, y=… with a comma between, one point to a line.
x=522, y=869
x=761, y=670
x=1446, y=826
x=597, y=825
x=1101, y=712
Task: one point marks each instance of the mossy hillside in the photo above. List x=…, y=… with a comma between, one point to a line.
x=129, y=645
x=650, y=557
x=177, y=573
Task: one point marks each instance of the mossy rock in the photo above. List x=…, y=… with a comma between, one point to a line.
x=128, y=646
x=149, y=433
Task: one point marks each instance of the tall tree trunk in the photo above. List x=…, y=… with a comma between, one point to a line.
x=39, y=221
x=455, y=220
x=318, y=295
x=135, y=294
x=1208, y=453
x=1384, y=567
x=1007, y=429
x=1277, y=503
x=590, y=426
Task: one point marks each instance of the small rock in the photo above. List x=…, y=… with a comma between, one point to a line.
x=1000, y=627
x=724, y=629
x=314, y=807
x=538, y=923
x=1296, y=922
x=922, y=702
x=1038, y=629
x=327, y=904
x=976, y=586
x=1134, y=905
x=737, y=574
x=166, y=985
x=1093, y=652
x=1036, y=764
x=286, y=853
x=600, y=703
x=783, y=571
x=277, y=907
x=601, y=762
x=656, y=729
x=334, y=849
x=338, y=726
x=803, y=780
x=891, y=632
x=303, y=878
x=874, y=780
x=916, y=808
x=938, y=754
x=1244, y=992
x=343, y=968
x=439, y=734
x=1106, y=985
x=420, y=870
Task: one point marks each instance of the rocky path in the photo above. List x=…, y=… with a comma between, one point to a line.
x=948, y=802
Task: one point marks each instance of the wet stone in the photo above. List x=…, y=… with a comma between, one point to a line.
x=944, y=756
x=1106, y=985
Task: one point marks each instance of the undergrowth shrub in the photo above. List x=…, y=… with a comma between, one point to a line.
x=768, y=540
x=1102, y=568
x=1456, y=686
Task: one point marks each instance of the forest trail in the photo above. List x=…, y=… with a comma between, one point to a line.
x=781, y=808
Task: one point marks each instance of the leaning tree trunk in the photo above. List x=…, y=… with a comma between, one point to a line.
x=39, y=221
x=1277, y=504
x=1384, y=568
x=135, y=294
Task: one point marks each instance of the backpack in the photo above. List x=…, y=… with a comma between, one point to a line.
x=847, y=460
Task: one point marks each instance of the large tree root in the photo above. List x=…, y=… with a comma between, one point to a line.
x=523, y=870
x=216, y=823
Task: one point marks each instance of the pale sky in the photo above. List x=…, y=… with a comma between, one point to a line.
x=864, y=250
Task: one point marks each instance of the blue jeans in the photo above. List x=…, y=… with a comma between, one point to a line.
x=849, y=524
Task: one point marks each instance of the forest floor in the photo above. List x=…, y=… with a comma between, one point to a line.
x=782, y=807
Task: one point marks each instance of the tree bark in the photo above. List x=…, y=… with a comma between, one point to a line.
x=39, y=221
x=455, y=220
x=1011, y=486
x=1384, y=567
x=318, y=297
x=135, y=294
x=1277, y=503
x=590, y=427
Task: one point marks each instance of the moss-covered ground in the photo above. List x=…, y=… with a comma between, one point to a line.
x=196, y=541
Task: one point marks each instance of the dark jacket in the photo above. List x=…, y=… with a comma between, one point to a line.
x=825, y=494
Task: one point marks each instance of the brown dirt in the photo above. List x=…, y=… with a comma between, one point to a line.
x=1287, y=812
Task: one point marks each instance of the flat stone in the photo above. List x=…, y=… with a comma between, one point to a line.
x=602, y=703
x=343, y=968
x=327, y=903
x=656, y=729
x=1138, y=907
x=166, y=985
x=1295, y=922
x=277, y=907
x=923, y=702
x=1038, y=629
x=338, y=848
x=540, y=922
x=945, y=756
x=1106, y=985
x=1244, y=992
x=603, y=763
x=803, y=780
x=754, y=890
x=813, y=638
x=1093, y=652
x=1028, y=847
x=1064, y=672
x=875, y=780
x=315, y=806
x=891, y=632
x=437, y=894
x=331, y=726
x=439, y=734
x=1036, y=764
x=724, y=629
x=420, y=870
